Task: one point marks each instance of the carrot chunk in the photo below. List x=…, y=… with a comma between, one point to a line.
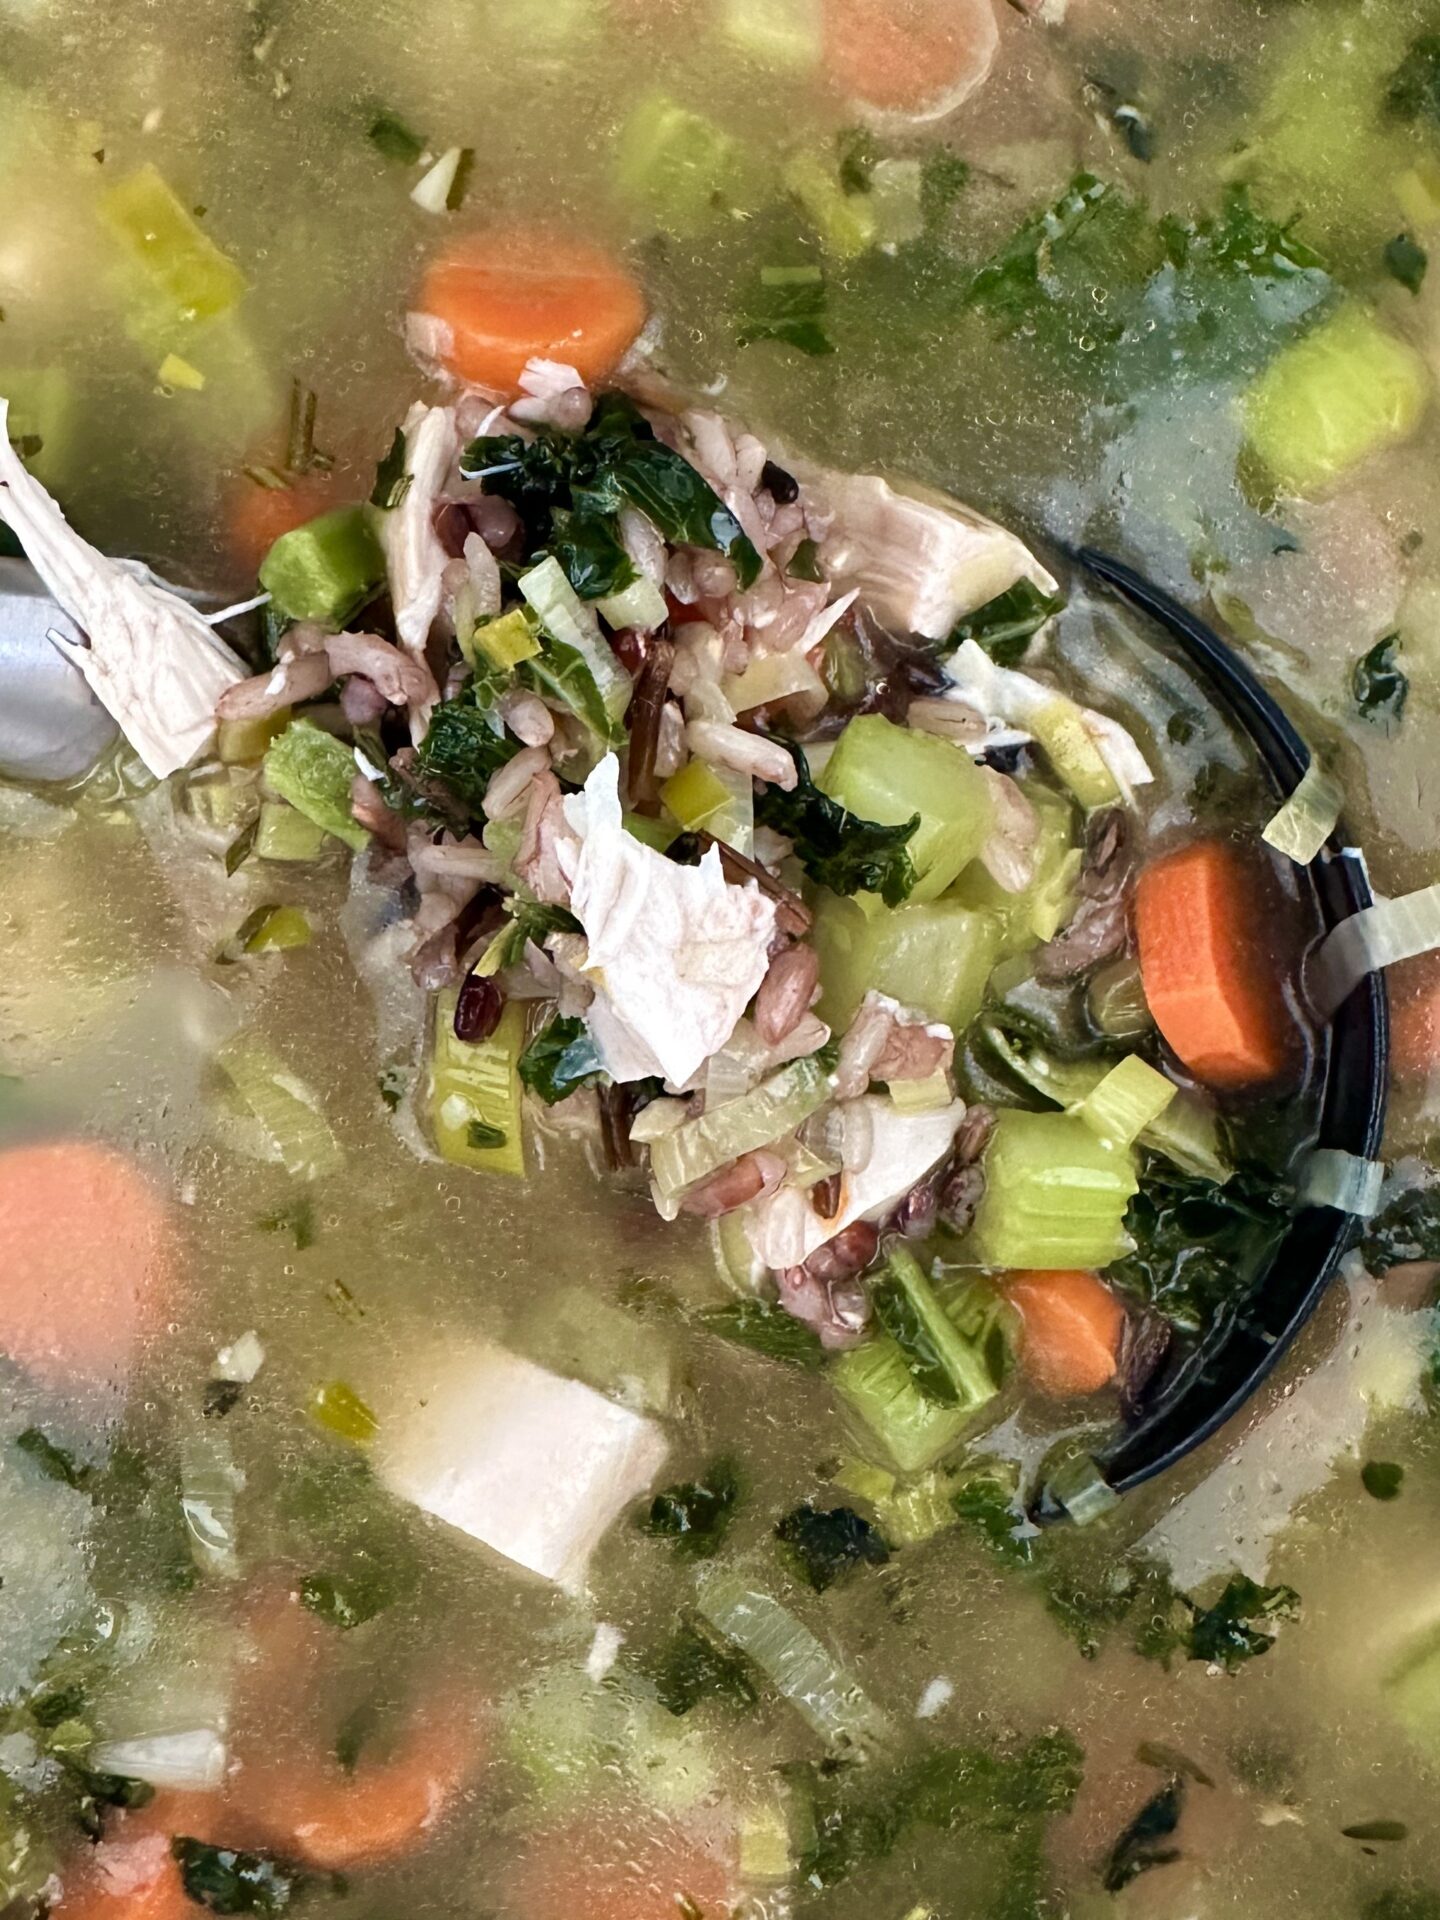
x=88, y=1252
x=132, y=1873
x=498, y=300
x=1072, y=1327
x=1215, y=993
x=260, y=515
x=919, y=58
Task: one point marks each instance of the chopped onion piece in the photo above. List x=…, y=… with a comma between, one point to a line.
x=1381, y=935
x=241, y=1360
x=1343, y=1181
x=190, y=1762
x=432, y=190
x=1308, y=818
x=922, y=1096
x=826, y=1697
x=209, y=1481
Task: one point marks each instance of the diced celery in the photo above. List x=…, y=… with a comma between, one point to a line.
x=340, y=1410
x=844, y=221
x=826, y=1697
x=1130, y=1098
x=1345, y=391
x=1038, y=913
x=577, y=665
x=42, y=419
x=475, y=1097
x=240, y=743
x=314, y=771
x=1055, y=1196
x=641, y=605
x=284, y=834
x=325, y=570
x=766, y=1855
x=773, y=676
x=781, y=33
x=177, y=254
x=505, y=642
x=658, y=834
x=922, y=1096
x=224, y=799
x=676, y=164
x=876, y=1382
x=1059, y=726
x=936, y=958
x=864, y=1479
x=887, y=773
x=896, y=202
x=179, y=375
x=701, y=1147
x=695, y=795
x=281, y=931
x=290, y=1124
x=969, y=1368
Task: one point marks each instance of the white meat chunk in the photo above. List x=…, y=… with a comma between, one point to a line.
x=536, y=1466
x=415, y=558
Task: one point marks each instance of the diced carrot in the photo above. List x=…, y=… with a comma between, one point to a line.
x=621, y=1869
x=498, y=300
x=1072, y=1328
x=1415, y=1017
x=261, y=514
x=1217, y=996
x=132, y=1874
x=919, y=58
x=328, y=1818
x=88, y=1255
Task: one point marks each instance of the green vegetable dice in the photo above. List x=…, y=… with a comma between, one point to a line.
x=889, y=774
x=1055, y=1195
x=936, y=958
x=1039, y=912
x=314, y=771
x=325, y=570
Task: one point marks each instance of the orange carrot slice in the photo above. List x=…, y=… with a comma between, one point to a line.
x=261, y=514
x=1072, y=1328
x=88, y=1252
x=1215, y=993
x=917, y=58
x=497, y=300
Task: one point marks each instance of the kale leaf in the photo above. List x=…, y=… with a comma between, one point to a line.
x=1378, y=684
x=228, y=1881
x=825, y=1546
x=1005, y=625
x=1228, y=1633
x=350, y=1599
x=1413, y=92
x=1382, y=1479
x=1408, y=1229
x=695, y=1515
x=898, y=1315
x=987, y=1505
x=392, y=477
x=1199, y=1246
x=1143, y=1843
x=836, y=849
x=787, y=304
x=391, y=137
x=530, y=920
x=560, y=1060
x=1406, y=261
x=693, y=1666
x=588, y=547
x=766, y=1330
x=462, y=750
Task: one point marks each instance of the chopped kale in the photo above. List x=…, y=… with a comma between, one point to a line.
x=1382, y=1479
x=1406, y=261
x=98, y=1791
x=693, y=1666
x=695, y=1515
x=1408, y=1229
x=1387, y=1830
x=462, y=750
x=295, y=1219
x=1228, y=1633
x=836, y=849
x=228, y=1881
x=392, y=477
x=220, y=1397
x=805, y=563
x=1199, y=1245
x=1413, y=91
x=988, y=1506
x=766, y=1330
x=560, y=1060
x=589, y=549
x=1378, y=684
x=899, y=1316
x=825, y=1546
x=530, y=920
x=787, y=304
x=857, y=153
x=1145, y=1843
x=1004, y=626
x=391, y=137
x=484, y=1137
x=348, y=1600
x=56, y=1463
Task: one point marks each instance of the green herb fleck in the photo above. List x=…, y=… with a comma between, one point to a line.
x=392, y=477
x=390, y=135
x=825, y=1546
x=560, y=1060
x=484, y=1137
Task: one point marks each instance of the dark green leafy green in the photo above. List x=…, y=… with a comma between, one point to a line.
x=1406, y=261
x=392, y=478
x=805, y=563
x=484, y=1137
x=462, y=750
x=560, y=1060
x=765, y=1330
x=693, y=1666
x=987, y=1504
x=220, y=1397
x=824, y=1546
x=898, y=1315
x=1413, y=90
x=349, y=1599
x=857, y=154
x=530, y=920
x=1146, y=1841
x=1382, y=1479
x=787, y=304
x=391, y=137
x=56, y=1463
x=1199, y=1246
x=589, y=549
x=695, y=1515
x=1004, y=626
x=228, y=1881
x=836, y=849
x=1233, y=1630
x=1378, y=684
x=1408, y=1229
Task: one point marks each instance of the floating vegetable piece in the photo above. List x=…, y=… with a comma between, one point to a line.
x=178, y=255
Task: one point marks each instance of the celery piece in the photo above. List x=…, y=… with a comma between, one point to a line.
x=1055, y=1196
x=504, y=643
x=282, y=930
x=240, y=743
x=577, y=664
x=889, y=774
x=677, y=165
x=844, y=221
x=935, y=958
x=641, y=605
x=771, y=677
x=182, y=259
x=314, y=771
x=1345, y=391
x=42, y=419
x=179, y=375
x=876, y=1382
x=340, y=1410
x=1417, y=194
x=290, y=1124
x=474, y=1092
x=776, y=1107
x=326, y=570
x=695, y=796
x=897, y=201
x=223, y=799
x=284, y=834
x=1059, y=726
x=1037, y=913
x=1130, y=1098
x=945, y=1365
x=779, y=33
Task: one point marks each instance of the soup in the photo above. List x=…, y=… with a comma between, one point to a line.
x=478, y=1432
